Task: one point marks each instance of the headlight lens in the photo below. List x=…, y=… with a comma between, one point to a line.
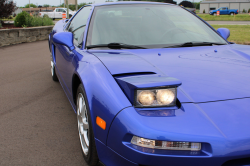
x=156, y=97
x=146, y=97
x=165, y=96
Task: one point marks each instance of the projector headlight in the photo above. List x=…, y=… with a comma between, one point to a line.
x=162, y=97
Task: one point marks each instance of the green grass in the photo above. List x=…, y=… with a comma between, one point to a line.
x=239, y=34
x=238, y=17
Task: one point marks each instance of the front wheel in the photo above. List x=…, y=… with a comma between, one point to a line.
x=53, y=72
x=85, y=130
x=215, y=14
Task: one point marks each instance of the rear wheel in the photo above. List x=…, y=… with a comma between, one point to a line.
x=53, y=72
x=231, y=14
x=85, y=130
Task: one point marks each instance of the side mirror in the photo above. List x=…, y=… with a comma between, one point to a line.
x=64, y=11
x=224, y=32
x=64, y=38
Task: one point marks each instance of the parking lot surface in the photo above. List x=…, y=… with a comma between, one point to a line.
x=37, y=124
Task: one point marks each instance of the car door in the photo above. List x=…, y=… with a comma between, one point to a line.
x=58, y=13
x=65, y=58
x=223, y=10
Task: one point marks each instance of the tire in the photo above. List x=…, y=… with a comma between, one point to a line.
x=231, y=14
x=214, y=14
x=85, y=129
x=53, y=72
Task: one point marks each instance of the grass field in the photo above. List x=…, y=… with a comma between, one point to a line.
x=238, y=17
x=239, y=34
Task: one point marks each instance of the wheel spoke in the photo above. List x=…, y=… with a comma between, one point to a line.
x=80, y=105
x=81, y=130
x=86, y=139
x=85, y=124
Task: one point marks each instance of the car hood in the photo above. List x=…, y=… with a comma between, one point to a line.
x=207, y=73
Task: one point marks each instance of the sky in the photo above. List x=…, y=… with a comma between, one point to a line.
x=21, y=3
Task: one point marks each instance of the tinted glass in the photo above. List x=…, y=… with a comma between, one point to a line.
x=147, y=25
x=77, y=25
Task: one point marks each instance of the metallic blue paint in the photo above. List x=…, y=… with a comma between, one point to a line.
x=224, y=32
x=214, y=99
x=64, y=38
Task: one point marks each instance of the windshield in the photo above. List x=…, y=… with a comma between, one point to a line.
x=151, y=26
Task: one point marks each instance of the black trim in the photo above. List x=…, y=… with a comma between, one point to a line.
x=133, y=74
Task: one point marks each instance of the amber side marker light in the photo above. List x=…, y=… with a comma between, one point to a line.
x=100, y=122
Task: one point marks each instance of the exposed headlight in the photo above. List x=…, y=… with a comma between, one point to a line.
x=165, y=144
x=156, y=97
x=146, y=97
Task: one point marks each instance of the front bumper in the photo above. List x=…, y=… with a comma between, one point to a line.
x=191, y=123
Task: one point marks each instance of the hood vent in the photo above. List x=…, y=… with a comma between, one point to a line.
x=132, y=74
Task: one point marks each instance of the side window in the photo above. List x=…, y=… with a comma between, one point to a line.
x=77, y=25
x=57, y=10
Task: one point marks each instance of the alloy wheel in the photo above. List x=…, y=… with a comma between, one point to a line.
x=83, y=125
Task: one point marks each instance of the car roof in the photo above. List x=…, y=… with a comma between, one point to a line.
x=129, y=2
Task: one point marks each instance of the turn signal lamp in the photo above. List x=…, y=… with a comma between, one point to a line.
x=165, y=144
x=100, y=122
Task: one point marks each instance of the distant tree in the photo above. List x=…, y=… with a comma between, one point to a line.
x=46, y=5
x=204, y=11
x=6, y=9
x=81, y=5
x=186, y=4
x=73, y=7
x=62, y=5
x=169, y=1
x=31, y=5
x=197, y=5
x=244, y=11
x=249, y=10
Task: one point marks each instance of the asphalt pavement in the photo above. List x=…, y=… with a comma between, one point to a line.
x=37, y=124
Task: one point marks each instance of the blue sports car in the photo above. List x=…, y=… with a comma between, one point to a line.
x=153, y=85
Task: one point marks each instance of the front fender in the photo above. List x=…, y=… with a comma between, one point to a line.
x=105, y=97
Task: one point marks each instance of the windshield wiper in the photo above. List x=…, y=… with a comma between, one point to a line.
x=116, y=46
x=193, y=44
